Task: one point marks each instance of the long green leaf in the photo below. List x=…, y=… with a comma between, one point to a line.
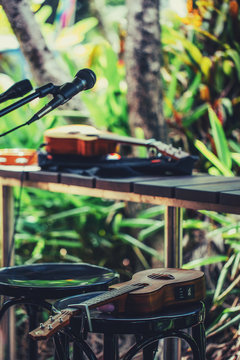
x=196, y=114
x=236, y=158
x=186, y=100
x=222, y=278
x=212, y=158
x=235, y=320
x=221, y=219
x=151, y=230
x=134, y=242
x=205, y=261
x=137, y=223
x=236, y=58
x=220, y=139
x=151, y=212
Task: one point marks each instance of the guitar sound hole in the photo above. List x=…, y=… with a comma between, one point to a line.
x=156, y=276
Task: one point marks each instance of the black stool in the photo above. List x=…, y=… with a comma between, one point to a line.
x=148, y=330
x=36, y=285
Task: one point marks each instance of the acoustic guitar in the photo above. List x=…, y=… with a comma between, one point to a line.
x=147, y=292
x=86, y=140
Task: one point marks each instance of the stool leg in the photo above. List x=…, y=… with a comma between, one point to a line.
x=198, y=334
x=61, y=349
x=151, y=341
x=80, y=346
x=77, y=352
x=7, y=304
x=33, y=345
x=149, y=351
x=110, y=347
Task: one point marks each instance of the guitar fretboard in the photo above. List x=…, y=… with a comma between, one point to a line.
x=108, y=295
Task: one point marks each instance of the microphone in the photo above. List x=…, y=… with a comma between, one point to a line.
x=19, y=89
x=40, y=92
x=85, y=79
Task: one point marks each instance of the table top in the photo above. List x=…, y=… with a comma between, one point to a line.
x=216, y=193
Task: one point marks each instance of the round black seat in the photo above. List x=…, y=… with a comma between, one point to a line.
x=54, y=280
x=148, y=330
x=37, y=284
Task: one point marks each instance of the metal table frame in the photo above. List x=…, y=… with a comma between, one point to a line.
x=109, y=190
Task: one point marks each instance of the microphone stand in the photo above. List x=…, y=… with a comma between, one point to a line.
x=40, y=92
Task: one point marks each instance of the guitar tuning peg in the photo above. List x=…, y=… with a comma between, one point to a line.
x=50, y=327
x=60, y=320
x=51, y=318
x=42, y=326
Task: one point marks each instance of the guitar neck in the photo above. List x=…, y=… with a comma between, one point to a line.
x=108, y=296
x=57, y=322
x=164, y=149
x=123, y=139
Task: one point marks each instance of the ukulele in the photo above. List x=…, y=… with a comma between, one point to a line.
x=86, y=140
x=147, y=292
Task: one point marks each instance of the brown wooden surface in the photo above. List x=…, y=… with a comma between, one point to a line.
x=169, y=186
x=193, y=192
x=123, y=184
x=230, y=197
x=79, y=180
x=206, y=192
x=44, y=176
x=13, y=174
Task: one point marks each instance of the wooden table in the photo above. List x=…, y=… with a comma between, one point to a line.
x=199, y=192
x=220, y=194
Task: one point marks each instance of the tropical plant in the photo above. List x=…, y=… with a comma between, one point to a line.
x=201, y=72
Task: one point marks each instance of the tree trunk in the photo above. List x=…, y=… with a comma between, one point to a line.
x=143, y=69
x=42, y=63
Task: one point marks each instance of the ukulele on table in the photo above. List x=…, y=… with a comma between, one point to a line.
x=85, y=140
x=147, y=292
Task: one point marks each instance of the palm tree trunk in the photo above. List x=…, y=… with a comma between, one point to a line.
x=143, y=69
x=41, y=60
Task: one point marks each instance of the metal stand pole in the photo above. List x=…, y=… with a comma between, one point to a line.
x=173, y=259
x=7, y=325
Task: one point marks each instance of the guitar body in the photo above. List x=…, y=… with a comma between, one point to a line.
x=166, y=287
x=81, y=140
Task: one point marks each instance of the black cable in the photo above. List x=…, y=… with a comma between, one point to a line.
x=18, y=209
x=9, y=131
x=17, y=214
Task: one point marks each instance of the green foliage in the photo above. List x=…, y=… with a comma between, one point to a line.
x=98, y=232
x=201, y=81
x=201, y=75
x=227, y=285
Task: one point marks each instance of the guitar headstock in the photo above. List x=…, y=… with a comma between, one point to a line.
x=52, y=325
x=168, y=150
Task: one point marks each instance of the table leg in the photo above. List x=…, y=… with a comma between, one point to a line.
x=6, y=221
x=173, y=237
x=7, y=325
x=173, y=259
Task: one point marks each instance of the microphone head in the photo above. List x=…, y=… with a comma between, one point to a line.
x=23, y=87
x=87, y=75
